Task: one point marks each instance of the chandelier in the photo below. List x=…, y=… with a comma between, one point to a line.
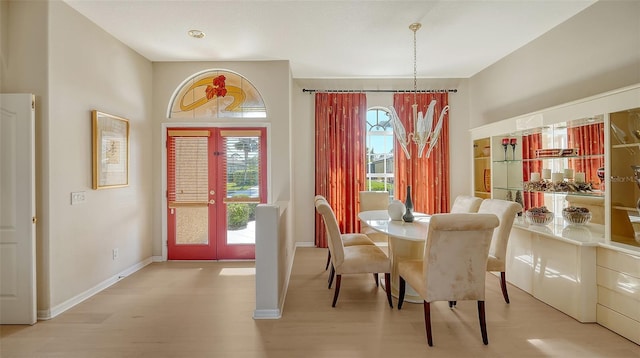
x=422, y=125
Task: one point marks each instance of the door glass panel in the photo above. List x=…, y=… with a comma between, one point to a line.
x=188, y=190
x=242, y=168
x=192, y=225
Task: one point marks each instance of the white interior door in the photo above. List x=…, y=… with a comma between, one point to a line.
x=17, y=209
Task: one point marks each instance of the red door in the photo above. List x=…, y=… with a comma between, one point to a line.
x=216, y=177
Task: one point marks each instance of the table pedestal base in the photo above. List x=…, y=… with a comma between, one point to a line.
x=400, y=249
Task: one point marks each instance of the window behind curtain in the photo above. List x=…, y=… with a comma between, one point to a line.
x=379, y=144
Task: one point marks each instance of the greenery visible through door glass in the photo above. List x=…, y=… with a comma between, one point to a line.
x=243, y=179
x=242, y=167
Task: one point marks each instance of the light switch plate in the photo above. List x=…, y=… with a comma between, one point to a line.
x=78, y=197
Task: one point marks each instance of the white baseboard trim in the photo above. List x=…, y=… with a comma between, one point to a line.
x=267, y=314
x=64, y=306
x=157, y=259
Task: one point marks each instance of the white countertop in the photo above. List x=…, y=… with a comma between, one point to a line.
x=580, y=235
x=583, y=235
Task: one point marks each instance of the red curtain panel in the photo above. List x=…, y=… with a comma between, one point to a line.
x=589, y=140
x=340, y=133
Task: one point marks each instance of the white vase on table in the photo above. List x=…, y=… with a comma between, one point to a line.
x=396, y=209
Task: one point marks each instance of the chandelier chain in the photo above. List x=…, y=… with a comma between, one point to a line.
x=415, y=27
x=415, y=68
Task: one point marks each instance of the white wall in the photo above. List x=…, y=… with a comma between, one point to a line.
x=25, y=69
x=4, y=40
x=304, y=137
x=595, y=51
x=73, y=67
x=89, y=69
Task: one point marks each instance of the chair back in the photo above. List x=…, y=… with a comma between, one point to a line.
x=319, y=197
x=455, y=257
x=374, y=200
x=333, y=232
x=506, y=212
x=465, y=204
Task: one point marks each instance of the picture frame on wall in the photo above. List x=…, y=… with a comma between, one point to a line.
x=110, y=149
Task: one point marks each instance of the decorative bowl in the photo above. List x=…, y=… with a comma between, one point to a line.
x=574, y=215
x=539, y=218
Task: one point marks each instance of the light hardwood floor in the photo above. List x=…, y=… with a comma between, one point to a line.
x=204, y=309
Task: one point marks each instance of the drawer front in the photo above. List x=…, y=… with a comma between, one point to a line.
x=622, y=304
x=619, y=261
x=619, y=282
x=618, y=323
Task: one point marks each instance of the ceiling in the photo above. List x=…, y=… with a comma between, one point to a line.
x=333, y=39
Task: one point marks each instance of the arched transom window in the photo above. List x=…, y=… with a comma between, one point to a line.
x=216, y=94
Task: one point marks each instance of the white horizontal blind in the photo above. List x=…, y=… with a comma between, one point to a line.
x=189, y=170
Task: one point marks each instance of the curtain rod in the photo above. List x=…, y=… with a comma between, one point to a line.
x=454, y=90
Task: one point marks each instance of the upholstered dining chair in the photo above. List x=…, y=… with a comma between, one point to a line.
x=373, y=200
x=348, y=239
x=454, y=264
x=353, y=259
x=465, y=204
x=506, y=212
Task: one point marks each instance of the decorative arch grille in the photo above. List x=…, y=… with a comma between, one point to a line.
x=217, y=94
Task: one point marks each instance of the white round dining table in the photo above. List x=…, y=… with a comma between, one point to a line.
x=406, y=242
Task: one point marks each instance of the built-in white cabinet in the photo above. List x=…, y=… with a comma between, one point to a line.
x=559, y=272
x=582, y=154
x=618, y=278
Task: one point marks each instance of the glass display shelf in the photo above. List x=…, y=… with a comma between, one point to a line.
x=625, y=208
x=628, y=145
x=597, y=193
x=514, y=188
x=508, y=161
x=574, y=157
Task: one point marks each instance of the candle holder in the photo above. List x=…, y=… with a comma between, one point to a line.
x=513, y=143
x=505, y=144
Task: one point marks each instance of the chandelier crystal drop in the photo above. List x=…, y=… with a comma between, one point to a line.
x=422, y=125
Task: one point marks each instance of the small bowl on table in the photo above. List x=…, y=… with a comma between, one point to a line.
x=576, y=216
x=539, y=218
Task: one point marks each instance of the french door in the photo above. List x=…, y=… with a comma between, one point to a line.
x=215, y=179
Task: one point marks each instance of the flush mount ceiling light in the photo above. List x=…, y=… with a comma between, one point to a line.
x=196, y=34
x=422, y=125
